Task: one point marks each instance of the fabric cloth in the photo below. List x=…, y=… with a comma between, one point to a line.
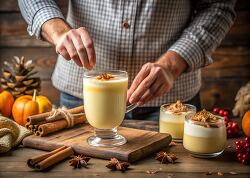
x=11, y=134
x=139, y=113
x=191, y=28
x=69, y=101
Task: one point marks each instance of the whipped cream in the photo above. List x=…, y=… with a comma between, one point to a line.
x=201, y=131
x=168, y=116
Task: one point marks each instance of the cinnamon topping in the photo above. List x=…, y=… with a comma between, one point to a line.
x=104, y=76
x=177, y=107
x=204, y=116
x=205, y=119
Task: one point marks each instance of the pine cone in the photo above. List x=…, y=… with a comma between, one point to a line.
x=18, y=77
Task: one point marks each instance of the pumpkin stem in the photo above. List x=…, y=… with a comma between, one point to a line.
x=34, y=95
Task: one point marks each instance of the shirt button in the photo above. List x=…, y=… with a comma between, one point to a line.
x=125, y=24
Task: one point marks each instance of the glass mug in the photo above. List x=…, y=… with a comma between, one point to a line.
x=105, y=106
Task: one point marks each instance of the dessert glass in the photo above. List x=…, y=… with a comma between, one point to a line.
x=172, y=121
x=105, y=94
x=204, y=139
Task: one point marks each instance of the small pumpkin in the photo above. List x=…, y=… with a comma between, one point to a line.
x=6, y=103
x=44, y=104
x=246, y=123
x=27, y=105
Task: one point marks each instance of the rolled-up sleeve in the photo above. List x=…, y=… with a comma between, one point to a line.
x=212, y=20
x=37, y=12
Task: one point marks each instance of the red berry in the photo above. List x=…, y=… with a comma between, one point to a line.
x=247, y=139
x=226, y=120
x=241, y=143
x=244, y=161
x=216, y=110
x=221, y=112
x=225, y=113
x=239, y=155
x=233, y=130
x=238, y=148
x=243, y=150
x=234, y=124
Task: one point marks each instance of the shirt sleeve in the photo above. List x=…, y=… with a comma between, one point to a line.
x=37, y=12
x=212, y=20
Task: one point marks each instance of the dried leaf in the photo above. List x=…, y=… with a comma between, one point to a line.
x=220, y=173
x=152, y=172
x=233, y=173
x=209, y=173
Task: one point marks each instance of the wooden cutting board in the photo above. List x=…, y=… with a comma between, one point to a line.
x=140, y=143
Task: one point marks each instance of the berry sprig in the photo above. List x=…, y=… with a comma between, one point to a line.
x=233, y=129
x=243, y=150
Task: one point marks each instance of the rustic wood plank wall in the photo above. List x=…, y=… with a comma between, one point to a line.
x=221, y=80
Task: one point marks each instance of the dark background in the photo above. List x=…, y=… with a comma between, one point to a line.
x=221, y=80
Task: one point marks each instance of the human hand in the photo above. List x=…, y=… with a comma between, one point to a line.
x=156, y=79
x=152, y=81
x=76, y=44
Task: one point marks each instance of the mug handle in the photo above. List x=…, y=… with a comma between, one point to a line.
x=130, y=107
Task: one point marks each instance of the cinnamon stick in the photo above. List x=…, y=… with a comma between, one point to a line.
x=51, y=127
x=41, y=118
x=32, y=161
x=46, y=160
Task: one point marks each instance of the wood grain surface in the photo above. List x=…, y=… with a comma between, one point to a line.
x=140, y=143
x=221, y=80
x=13, y=164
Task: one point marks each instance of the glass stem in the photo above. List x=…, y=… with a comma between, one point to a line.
x=106, y=133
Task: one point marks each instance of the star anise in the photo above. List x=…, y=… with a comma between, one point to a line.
x=115, y=164
x=79, y=161
x=164, y=157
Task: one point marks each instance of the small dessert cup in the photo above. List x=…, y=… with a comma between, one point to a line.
x=172, y=118
x=204, y=137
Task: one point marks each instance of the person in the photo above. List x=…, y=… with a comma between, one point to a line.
x=161, y=44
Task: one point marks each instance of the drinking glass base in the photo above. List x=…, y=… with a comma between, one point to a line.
x=106, y=138
x=205, y=155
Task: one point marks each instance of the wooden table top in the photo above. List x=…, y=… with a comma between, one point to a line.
x=13, y=164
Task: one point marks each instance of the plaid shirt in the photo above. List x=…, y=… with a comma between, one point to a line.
x=193, y=29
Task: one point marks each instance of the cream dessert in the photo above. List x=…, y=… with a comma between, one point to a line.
x=105, y=100
x=204, y=134
x=172, y=119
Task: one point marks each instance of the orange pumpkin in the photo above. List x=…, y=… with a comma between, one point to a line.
x=6, y=103
x=246, y=123
x=44, y=104
x=27, y=105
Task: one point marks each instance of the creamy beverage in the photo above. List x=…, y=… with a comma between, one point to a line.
x=204, y=134
x=105, y=100
x=172, y=119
